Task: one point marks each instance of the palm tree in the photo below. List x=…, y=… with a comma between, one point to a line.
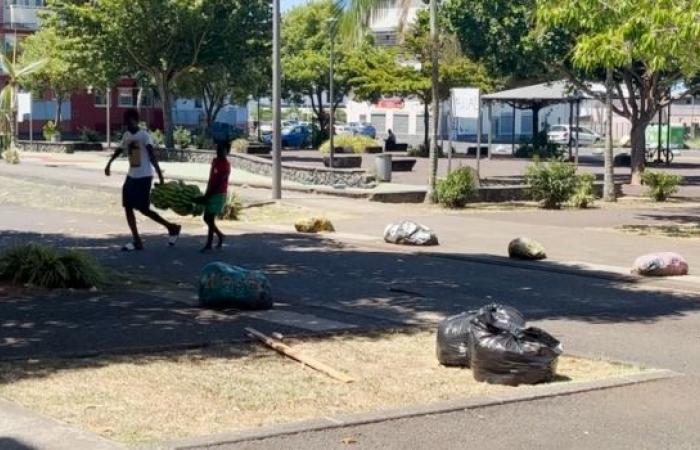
x=357, y=15
x=8, y=95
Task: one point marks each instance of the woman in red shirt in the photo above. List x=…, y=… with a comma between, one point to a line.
x=215, y=198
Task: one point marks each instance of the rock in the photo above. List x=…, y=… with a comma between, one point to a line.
x=314, y=225
x=409, y=233
x=663, y=264
x=525, y=248
x=223, y=285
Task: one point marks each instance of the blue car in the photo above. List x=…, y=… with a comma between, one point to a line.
x=362, y=128
x=295, y=136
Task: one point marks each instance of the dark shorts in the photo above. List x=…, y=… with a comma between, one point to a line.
x=136, y=193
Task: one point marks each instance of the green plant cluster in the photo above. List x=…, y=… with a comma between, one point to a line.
x=457, y=189
x=584, y=196
x=49, y=130
x=356, y=143
x=90, y=135
x=552, y=183
x=48, y=267
x=539, y=147
x=423, y=152
x=661, y=185
x=233, y=208
x=157, y=137
x=183, y=137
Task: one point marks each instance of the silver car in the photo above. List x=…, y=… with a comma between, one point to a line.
x=561, y=134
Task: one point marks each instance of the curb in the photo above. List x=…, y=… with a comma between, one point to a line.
x=343, y=421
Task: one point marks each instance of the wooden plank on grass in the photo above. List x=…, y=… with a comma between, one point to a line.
x=298, y=356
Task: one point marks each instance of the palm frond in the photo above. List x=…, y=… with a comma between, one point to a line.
x=7, y=66
x=356, y=15
x=31, y=68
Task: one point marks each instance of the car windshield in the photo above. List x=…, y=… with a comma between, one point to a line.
x=558, y=128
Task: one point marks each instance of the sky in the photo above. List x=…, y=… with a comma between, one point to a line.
x=286, y=4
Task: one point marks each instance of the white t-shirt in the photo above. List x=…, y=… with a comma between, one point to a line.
x=135, y=146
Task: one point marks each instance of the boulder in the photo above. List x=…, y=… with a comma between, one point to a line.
x=663, y=264
x=525, y=248
x=223, y=285
x=314, y=225
x=409, y=233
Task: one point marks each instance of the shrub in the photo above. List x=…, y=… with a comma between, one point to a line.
x=457, y=189
x=90, y=135
x=50, y=268
x=158, y=137
x=424, y=152
x=661, y=185
x=551, y=183
x=204, y=142
x=539, y=147
x=239, y=145
x=11, y=156
x=583, y=196
x=182, y=137
x=232, y=210
x=356, y=143
x=49, y=130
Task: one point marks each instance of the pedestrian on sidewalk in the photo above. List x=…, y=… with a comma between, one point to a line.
x=216, y=196
x=136, y=192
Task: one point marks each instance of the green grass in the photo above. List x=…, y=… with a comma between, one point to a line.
x=674, y=231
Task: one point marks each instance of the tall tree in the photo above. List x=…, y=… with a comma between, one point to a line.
x=61, y=76
x=358, y=14
x=306, y=56
x=161, y=38
x=653, y=47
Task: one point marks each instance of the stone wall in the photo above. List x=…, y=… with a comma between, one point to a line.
x=263, y=166
x=58, y=147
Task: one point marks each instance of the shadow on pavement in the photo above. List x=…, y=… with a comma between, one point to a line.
x=320, y=286
x=13, y=444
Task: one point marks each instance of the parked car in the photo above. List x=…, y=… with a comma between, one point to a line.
x=295, y=136
x=362, y=128
x=560, y=135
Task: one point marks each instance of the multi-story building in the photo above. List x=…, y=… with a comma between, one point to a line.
x=87, y=109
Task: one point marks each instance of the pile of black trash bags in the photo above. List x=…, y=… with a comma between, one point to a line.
x=497, y=345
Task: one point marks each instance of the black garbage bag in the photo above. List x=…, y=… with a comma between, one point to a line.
x=504, y=354
x=453, y=334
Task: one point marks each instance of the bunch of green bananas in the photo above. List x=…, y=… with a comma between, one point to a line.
x=179, y=197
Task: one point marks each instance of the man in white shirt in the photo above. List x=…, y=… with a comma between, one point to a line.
x=136, y=192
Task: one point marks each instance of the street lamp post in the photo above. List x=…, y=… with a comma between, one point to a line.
x=331, y=29
x=108, y=107
x=276, y=104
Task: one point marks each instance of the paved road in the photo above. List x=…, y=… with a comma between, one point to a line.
x=351, y=282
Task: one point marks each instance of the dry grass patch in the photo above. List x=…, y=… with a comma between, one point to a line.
x=137, y=399
x=672, y=231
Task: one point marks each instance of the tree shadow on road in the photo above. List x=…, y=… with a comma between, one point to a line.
x=320, y=286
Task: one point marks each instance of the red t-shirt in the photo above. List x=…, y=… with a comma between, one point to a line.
x=218, y=176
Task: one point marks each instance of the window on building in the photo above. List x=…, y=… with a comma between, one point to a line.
x=400, y=123
x=506, y=124
x=126, y=97
x=526, y=124
x=420, y=124
x=198, y=104
x=100, y=98
x=379, y=122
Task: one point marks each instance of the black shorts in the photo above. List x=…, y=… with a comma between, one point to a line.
x=136, y=193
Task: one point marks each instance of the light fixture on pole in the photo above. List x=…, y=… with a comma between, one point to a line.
x=276, y=104
x=331, y=126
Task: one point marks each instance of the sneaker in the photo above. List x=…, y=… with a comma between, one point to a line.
x=174, y=235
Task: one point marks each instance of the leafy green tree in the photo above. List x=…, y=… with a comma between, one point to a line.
x=163, y=39
x=306, y=50
x=652, y=47
x=61, y=76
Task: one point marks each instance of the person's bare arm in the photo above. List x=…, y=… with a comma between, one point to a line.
x=108, y=167
x=154, y=161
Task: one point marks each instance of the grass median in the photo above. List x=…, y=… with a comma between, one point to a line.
x=149, y=398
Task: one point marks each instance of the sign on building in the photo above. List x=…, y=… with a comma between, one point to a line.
x=465, y=103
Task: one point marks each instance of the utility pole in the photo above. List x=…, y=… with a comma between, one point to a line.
x=276, y=104
x=331, y=23
x=609, y=174
x=435, y=77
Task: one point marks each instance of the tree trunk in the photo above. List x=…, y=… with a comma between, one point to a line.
x=609, y=177
x=59, y=112
x=13, y=117
x=638, y=151
x=166, y=103
x=426, y=126
x=435, y=80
